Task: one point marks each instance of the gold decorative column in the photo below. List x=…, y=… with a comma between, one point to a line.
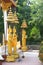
x=13, y=37
x=24, y=36
x=10, y=19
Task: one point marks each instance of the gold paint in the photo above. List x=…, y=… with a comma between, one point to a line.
x=15, y=18
x=10, y=17
x=24, y=37
x=10, y=57
x=15, y=43
x=24, y=24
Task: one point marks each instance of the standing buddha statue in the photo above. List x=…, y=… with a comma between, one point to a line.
x=10, y=56
x=24, y=37
x=15, y=42
x=9, y=41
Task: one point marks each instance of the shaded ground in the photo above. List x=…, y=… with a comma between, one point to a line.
x=31, y=58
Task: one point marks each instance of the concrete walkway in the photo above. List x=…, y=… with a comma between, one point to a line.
x=31, y=58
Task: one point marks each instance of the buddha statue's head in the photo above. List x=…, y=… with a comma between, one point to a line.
x=14, y=30
x=9, y=29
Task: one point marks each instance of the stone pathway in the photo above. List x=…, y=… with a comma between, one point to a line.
x=31, y=58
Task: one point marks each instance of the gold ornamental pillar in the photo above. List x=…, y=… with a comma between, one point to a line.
x=10, y=19
x=24, y=36
x=13, y=20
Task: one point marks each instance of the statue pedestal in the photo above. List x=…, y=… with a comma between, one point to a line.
x=10, y=58
x=16, y=55
x=24, y=48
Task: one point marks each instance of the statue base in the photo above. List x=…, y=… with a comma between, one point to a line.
x=16, y=55
x=24, y=49
x=10, y=58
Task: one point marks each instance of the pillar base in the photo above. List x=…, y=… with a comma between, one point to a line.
x=16, y=55
x=10, y=58
x=24, y=49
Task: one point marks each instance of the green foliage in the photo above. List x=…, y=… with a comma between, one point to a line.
x=35, y=33
x=37, y=16
x=23, y=11
x=1, y=22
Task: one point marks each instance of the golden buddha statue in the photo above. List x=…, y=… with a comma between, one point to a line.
x=15, y=43
x=9, y=40
x=9, y=29
x=10, y=57
x=14, y=37
x=24, y=37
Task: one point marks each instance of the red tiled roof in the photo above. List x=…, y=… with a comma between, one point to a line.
x=6, y=0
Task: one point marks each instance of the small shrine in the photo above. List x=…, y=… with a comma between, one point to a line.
x=12, y=36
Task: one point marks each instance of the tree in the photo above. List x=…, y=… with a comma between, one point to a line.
x=1, y=22
x=35, y=33
x=23, y=11
x=37, y=15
